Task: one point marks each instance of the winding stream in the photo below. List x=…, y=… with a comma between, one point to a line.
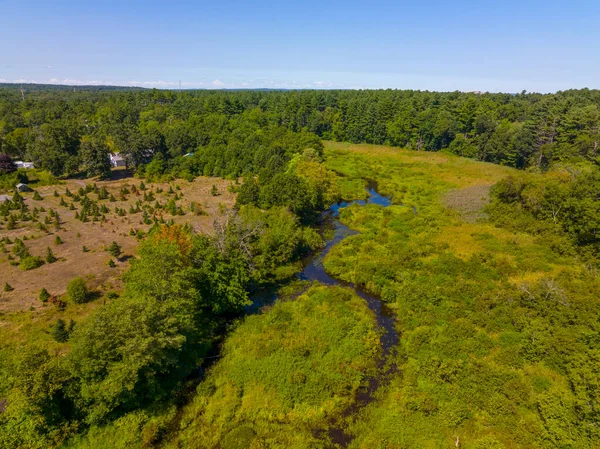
x=314, y=271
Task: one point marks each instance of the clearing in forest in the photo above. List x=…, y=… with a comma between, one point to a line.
x=127, y=208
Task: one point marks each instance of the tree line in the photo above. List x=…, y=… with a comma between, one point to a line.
x=66, y=131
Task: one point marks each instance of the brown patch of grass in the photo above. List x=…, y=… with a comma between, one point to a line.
x=469, y=201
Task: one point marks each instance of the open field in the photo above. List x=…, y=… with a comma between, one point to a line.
x=96, y=236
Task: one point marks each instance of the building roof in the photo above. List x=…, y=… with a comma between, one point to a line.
x=21, y=164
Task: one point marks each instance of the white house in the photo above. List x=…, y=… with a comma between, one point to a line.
x=23, y=187
x=21, y=164
x=116, y=160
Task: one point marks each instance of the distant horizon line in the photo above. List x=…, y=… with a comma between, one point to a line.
x=216, y=88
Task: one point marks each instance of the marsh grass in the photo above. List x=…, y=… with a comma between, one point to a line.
x=285, y=373
x=493, y=319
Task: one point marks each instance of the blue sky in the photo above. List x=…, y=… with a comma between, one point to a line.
x=465, y=45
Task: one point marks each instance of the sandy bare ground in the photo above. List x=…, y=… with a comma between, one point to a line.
x=93, y=265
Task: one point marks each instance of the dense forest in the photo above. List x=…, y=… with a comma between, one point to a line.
x=64, y=130
x=490, y=273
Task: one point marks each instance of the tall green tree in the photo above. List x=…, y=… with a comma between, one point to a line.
x=94, y=154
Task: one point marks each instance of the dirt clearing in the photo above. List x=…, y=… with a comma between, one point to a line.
x=197, y=201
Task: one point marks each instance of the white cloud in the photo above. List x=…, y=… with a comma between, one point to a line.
x=161, y=84
x=239, y=83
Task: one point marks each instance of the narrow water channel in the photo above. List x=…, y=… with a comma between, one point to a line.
x=315, y=271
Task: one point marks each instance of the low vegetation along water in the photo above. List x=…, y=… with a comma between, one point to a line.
x=315, y=271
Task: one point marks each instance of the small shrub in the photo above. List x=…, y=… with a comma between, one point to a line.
x=197, y=208
x=58, y=240
x=77, y=290
x=44, y=295
x=111, y=263
x=30, y=263
x=8, y=287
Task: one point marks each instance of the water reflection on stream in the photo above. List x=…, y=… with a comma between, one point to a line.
x=314, y=271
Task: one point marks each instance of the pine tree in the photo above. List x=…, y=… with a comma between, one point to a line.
x=50, y=257
x=11, y=224
x=58, y=240
x=8, y=287
x=60, y=332
x=111, y=263
x=214, y=191
x=114, y=249
x=103, y=194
